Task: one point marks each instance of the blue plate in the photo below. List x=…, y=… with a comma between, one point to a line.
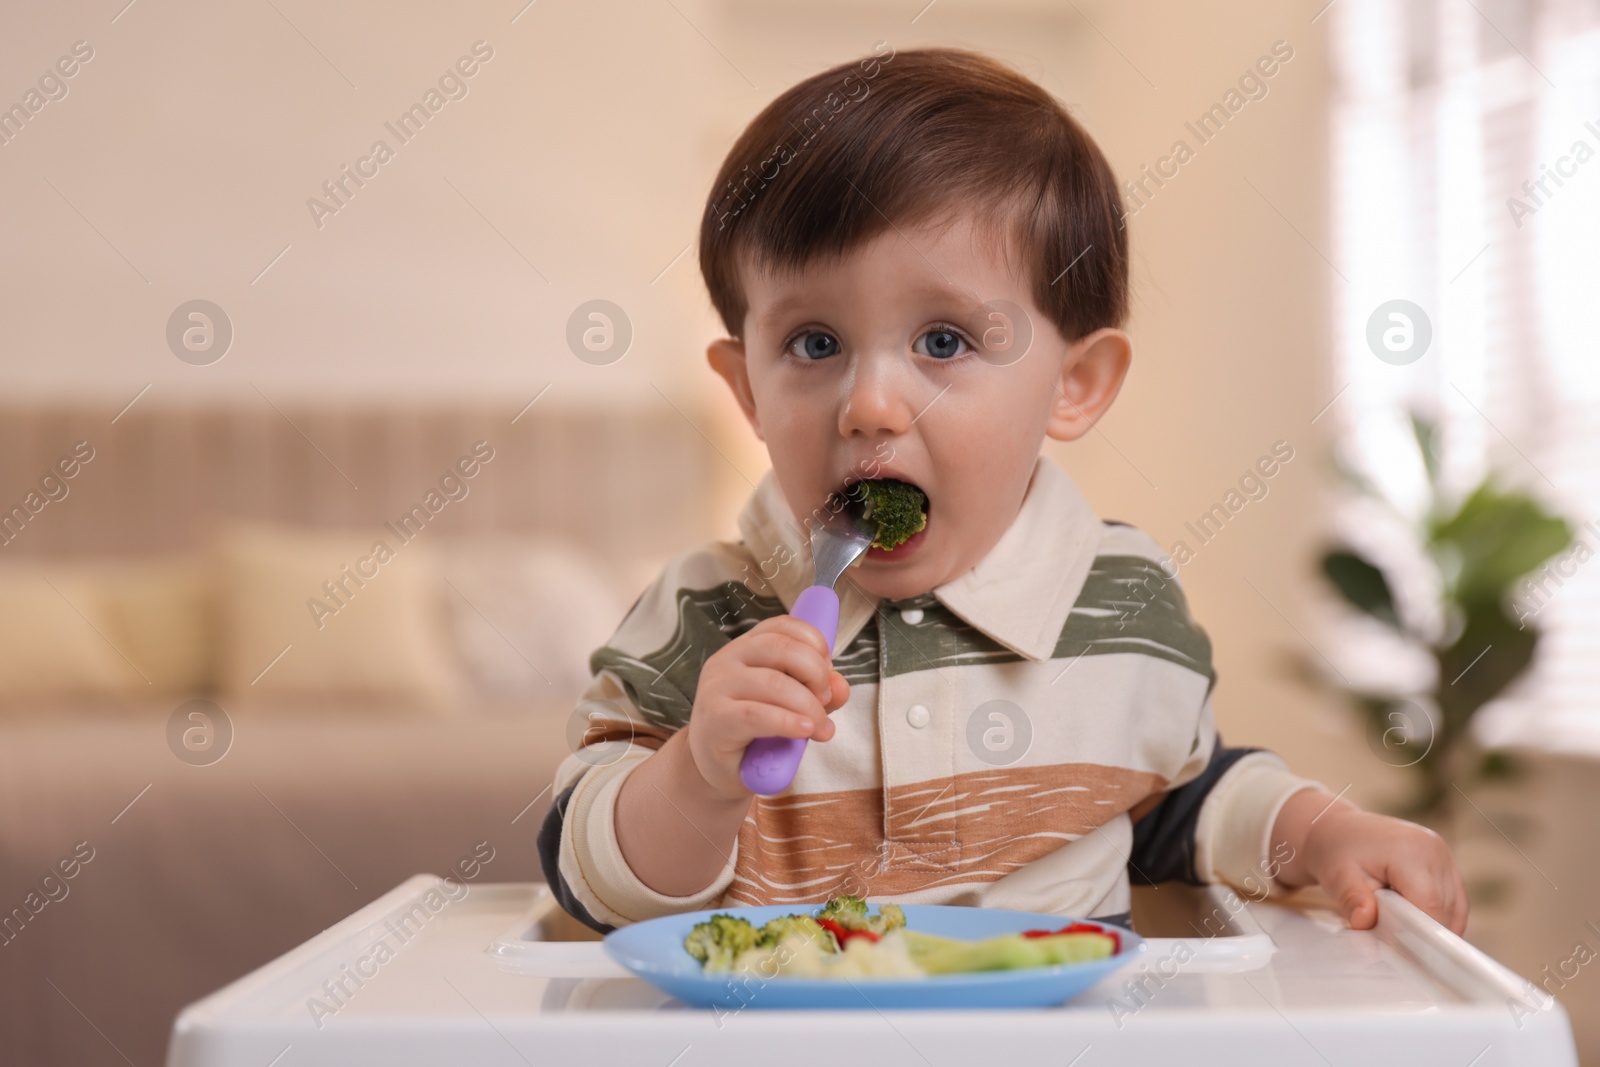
x=654, y=951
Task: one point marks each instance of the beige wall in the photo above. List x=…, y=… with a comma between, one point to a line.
x=194, y=137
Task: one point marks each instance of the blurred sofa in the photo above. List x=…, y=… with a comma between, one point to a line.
x=225, y=724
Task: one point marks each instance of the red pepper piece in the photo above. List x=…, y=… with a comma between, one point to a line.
x=842, y=935
x=1080, y=928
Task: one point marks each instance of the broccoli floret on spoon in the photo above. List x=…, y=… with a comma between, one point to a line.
x=898, y=509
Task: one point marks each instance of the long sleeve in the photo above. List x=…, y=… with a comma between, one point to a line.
x=549, y=847
x=1214, y=825
x=1164, y=839
x=1217, y=826
x=1233, y=834
x=583, y=862
x=641, y=694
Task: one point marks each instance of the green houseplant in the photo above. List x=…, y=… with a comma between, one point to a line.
x=1481, y=546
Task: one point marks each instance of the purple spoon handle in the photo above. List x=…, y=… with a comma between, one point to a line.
x=769, y=763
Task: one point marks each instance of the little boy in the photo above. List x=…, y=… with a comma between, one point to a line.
x=921, y=264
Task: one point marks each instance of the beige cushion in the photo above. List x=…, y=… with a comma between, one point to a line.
x=163, y=616
x=378, y=635
x=59, y=638
x=525, y=614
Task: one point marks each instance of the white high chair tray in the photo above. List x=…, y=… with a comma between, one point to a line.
x=497, y=976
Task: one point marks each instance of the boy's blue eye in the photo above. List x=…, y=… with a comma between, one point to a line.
x=815, y=346
x=942, y=344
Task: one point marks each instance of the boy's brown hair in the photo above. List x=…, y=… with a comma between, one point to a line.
x=902, y=138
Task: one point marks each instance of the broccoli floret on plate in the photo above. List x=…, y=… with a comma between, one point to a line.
x=889, y=917
x=803, y=925
x=897, y=509
x=850, y=912
x=717, y=942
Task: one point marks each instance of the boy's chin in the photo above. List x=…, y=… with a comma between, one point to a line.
x=892, y=582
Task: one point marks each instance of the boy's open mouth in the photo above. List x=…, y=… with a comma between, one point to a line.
x=897, y=509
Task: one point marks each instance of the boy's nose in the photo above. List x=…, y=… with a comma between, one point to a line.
x=876, y=398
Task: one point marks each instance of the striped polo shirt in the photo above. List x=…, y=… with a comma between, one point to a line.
x=1003, y=734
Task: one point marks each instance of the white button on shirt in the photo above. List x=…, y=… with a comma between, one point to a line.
x=916, y=714
x=911, y=616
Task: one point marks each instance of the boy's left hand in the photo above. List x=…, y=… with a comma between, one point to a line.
x=1352, y=853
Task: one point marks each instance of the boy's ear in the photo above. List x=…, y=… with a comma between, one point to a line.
x=726, y=356
x=1091, y=375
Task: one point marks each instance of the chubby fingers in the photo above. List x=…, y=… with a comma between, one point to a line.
x=1461, y=907
x=795, y=647
x=759, y=718
x=776, y=680
x=1435, y=885
x=763, y=685
x=841, y=692
x=1355, y=892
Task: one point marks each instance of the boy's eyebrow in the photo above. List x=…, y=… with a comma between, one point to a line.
x=966, y=298
x=780, y=310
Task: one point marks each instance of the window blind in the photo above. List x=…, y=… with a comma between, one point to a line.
x=1466, y=179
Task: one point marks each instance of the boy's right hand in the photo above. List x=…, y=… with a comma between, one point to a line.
x=777, y=680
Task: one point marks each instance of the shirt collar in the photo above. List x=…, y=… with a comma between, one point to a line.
x=1020, y=594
